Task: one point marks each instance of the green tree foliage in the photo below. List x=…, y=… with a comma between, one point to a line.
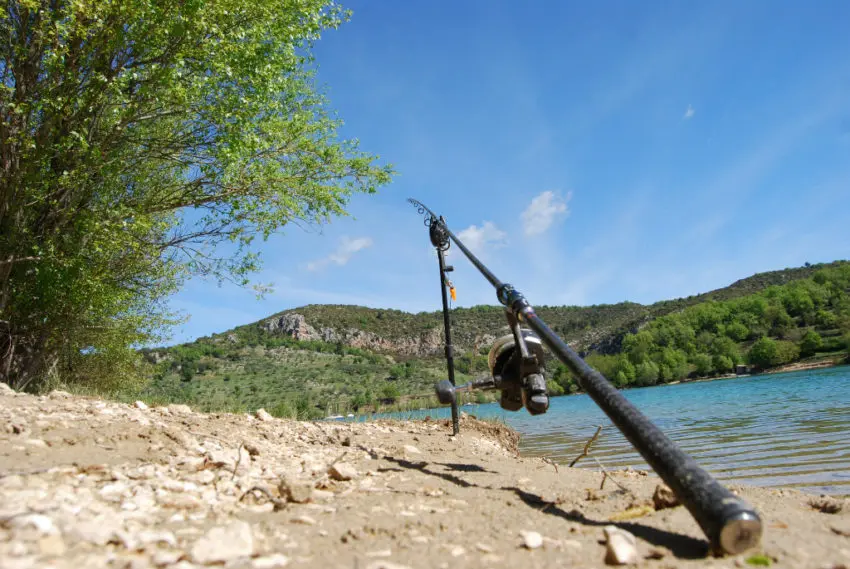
x=722, y=364
x=703, y=364
x=811, y=343
x=646, y=373
x=763, y=352
x=137, y=136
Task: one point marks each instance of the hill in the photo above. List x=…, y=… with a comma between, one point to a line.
x=327, y=359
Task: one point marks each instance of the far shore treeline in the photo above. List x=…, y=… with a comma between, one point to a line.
x=754, y=323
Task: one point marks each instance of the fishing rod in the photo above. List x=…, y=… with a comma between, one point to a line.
x=731, y=525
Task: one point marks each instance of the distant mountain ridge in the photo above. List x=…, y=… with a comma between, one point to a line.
x=325, y=359
x=597, y=328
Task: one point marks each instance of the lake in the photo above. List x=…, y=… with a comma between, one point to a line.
x=781, y=430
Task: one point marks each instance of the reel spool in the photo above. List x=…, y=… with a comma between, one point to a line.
x=519, y=378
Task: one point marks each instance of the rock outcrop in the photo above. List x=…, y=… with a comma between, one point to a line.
x=295, y=326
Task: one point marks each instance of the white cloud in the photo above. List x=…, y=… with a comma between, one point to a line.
x=689, y=112
x=479, y=239
x=347, y=248
x=542, y=212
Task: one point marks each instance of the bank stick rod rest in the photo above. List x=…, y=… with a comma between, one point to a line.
x=441, y=243
x=731, y=525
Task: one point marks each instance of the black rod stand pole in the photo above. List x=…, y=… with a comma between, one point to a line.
x=450, y=361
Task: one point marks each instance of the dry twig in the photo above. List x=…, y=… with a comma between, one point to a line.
x=607, y=475
x=278, y=504
x=587, y=447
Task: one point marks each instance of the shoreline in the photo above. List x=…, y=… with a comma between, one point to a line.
x=96, y=482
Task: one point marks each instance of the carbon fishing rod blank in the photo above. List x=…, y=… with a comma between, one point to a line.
x=731, y=525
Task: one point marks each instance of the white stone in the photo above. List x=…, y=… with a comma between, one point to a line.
x=5, y=389
x=386, y=565
x=306, y=520
x=141, y=405
x=270, y=562
x=620, y=547
x=410, y=449
x=342, y=471
x=531, y=539
x=263, y=415
x=38, y=443
x=224, y=543
x=179, y=409
x=164, y=558
x=99, y=531
x=38, y=522
x=113, y=492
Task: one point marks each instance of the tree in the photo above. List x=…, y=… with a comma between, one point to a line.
x=703, y=365
x=737, y=331
x=723, y=364
x=786, y=352
x=811, y=342
x=763, y=352
x=143, y=142
x=638, y=346
x=646, y=373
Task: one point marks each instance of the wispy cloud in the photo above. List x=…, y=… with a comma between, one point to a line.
x=689, y=112
x=347, y=248
x=480, y=239
x=542, y=212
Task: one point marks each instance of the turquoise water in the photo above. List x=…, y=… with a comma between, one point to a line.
x=782, y=430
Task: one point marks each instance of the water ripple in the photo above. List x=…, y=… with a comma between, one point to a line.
x=785, y=430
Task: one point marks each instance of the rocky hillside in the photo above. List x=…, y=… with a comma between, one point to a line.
x=327, y=359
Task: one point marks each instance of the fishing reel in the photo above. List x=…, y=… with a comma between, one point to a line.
x=516, y=369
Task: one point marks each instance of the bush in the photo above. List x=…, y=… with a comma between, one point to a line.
x=703, y=364
x=763, y=353
x=722, y=364
x=552, y=386
x=646, y=373
x=811, y=343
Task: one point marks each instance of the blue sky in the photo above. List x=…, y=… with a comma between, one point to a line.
x=591, y=152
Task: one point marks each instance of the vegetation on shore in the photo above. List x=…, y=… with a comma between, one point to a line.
x=755, y=322
x=143, y=143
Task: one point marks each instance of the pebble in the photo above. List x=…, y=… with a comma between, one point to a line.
x=99, y=531
x=179, y=409
x=39, y=443
x=410, y=449
x=322, y=494
x=386, y=565
x=59, y=394
x=141, y=405
x=270, y=562
x=224, y=543
x=664, y=498
x=263, y=415
x=295, y=490
x=531, y=539
x=306, y=520
x=620, y=546
x=342, y=471
x=38, y=522
x=164, y=558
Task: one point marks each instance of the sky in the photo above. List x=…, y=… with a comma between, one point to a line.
x=589, y=152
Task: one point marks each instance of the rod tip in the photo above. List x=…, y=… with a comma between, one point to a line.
x=740, y=533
